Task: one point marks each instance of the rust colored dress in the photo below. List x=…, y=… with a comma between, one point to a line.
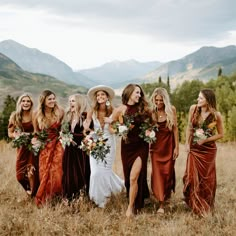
x=131, y=149
x=50, y=167
x=76, y=166
x=200, y=175
x=163, y=171
x=27, y=164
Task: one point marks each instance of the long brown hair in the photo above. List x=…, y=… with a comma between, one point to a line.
x=40, y=115
x=143, y=105
x=95, y=105
x=210, y=97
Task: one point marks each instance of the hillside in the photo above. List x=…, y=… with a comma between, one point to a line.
x=15, y=81
x=202, y=64
x=33, y=60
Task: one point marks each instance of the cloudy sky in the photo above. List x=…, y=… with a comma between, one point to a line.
x=89, y=33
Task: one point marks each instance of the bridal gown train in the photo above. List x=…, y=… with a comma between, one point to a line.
x=103, y=181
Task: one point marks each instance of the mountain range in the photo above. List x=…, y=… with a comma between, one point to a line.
x=202, y=64
x=14, y=81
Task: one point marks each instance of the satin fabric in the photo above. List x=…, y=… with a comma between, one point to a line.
x=163, y=171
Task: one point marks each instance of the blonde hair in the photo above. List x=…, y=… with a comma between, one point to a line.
x=168, y=107
x=40, y=115
x=17, y=116
x=81, y=104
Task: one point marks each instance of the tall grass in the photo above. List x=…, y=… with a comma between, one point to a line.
x=20, y=216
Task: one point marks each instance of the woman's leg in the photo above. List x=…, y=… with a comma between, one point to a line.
x=134, y=175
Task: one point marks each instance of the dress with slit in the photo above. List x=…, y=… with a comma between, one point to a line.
x=132, y=148
x=103, y=181
x=76, y=166
x=163, y=171
x=200, y=174
x=50, y=167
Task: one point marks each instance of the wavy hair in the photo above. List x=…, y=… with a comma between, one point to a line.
x=17, y=116
x=95, y=104
x=143, y=105
x=40, y=114
x=168, y=107
x=210, y=97
x=81, y=104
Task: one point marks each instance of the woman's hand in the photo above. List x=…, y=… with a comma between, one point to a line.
x=175, y=153
x=108, y=120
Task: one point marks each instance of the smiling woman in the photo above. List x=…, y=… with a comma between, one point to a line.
x=47, y=118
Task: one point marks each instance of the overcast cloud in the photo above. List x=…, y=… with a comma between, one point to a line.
x=182, y=24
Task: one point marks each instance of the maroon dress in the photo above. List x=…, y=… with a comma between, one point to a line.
x=200, y=174
x=163, y=172
x=131, y=149
x=76, y=166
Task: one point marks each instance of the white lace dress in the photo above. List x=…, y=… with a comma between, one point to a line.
x=103, y=181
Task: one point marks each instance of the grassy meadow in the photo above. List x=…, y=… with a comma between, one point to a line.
x=20, y=216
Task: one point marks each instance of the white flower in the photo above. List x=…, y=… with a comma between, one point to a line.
x=152, y=134
x=122, y=128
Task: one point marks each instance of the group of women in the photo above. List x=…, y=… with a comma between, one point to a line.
x=69, y=172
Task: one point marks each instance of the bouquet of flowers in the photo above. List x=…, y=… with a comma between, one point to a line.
x=65, y=136
x=123, y=125
x=148, y=133
x=203, y=132
x=39, y=141
x=95, y=144
x=21, y=139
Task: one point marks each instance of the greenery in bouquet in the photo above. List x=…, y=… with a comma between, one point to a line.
x=65, y=136
x=204, y=131
x=39, y=141
x=123, y=125
x=148, y=131
x=95, y=144
x=21, y=139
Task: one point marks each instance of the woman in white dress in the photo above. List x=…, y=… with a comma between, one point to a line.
x=103, y=181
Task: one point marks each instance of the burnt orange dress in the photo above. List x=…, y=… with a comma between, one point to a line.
x=200, y=174
x=131, y=149
x=163, y=171
x=50, y=167
x=27, y=164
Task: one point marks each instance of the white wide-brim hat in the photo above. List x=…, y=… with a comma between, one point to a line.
x=92, y=91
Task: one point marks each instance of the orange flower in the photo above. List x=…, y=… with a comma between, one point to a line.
x=211, y=125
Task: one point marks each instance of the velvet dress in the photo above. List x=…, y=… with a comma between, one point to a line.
x=200, y=174
x=163, y=171
x=76, y=166
x=27, y=164
x=132, y=148
x=50, y=167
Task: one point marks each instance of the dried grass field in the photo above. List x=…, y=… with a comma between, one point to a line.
x=20, y=216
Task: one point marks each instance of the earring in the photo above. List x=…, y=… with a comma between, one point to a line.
x=108, y=103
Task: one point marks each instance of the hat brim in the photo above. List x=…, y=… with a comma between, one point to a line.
x=92, y=91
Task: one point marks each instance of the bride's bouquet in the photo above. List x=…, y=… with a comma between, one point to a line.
x=95, y=144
